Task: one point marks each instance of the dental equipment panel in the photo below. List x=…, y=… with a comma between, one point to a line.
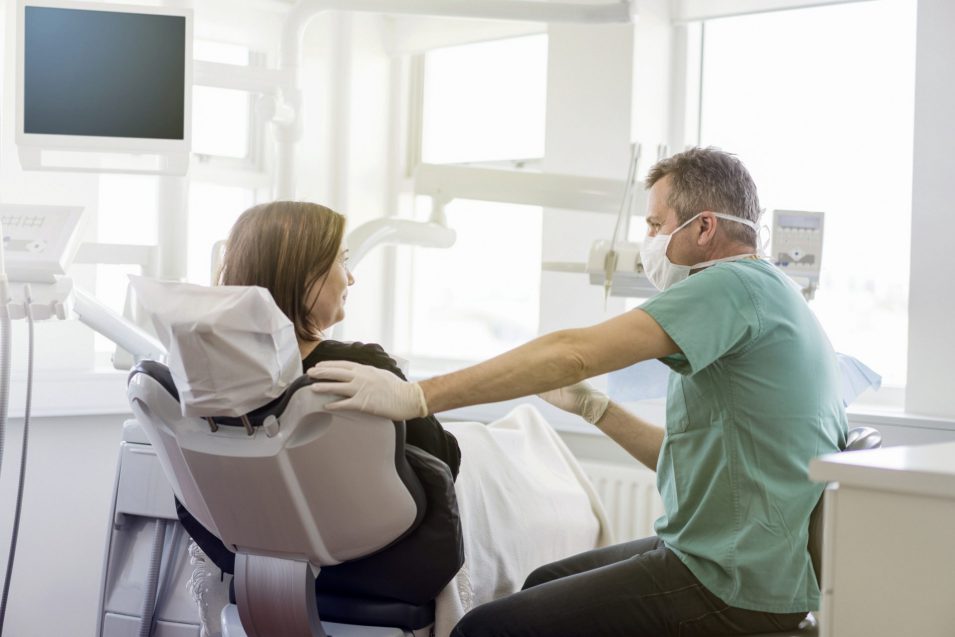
x=39, y=241
x=616, y=264
x=626, y=277
x=797, y=246
x=123, y=105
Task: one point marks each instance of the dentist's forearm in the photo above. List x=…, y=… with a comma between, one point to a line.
x=547, y=362
x=639, y=438
x=551, y=361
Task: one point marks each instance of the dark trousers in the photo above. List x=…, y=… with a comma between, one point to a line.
x=634, y=589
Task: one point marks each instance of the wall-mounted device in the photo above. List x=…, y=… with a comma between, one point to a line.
x=39, y=241
x=39, y=244
x=627, y=278
x=103, y=87
x=797, y=246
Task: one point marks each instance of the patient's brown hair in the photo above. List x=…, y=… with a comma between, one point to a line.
x=284, y=246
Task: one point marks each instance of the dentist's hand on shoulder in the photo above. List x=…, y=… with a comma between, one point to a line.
x=368, y=389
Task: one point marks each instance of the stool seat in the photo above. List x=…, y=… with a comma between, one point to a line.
x=808, y=627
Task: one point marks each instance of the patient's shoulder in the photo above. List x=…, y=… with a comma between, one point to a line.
x=357, y=352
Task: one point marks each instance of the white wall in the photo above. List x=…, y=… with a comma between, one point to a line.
x=68, y=488
x=588, y=132
x=932, y=289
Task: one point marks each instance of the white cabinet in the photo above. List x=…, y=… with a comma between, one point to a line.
x=889, y=545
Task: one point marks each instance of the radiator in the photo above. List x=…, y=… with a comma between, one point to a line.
x=629, y=494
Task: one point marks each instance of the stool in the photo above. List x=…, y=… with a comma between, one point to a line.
x=807, y=628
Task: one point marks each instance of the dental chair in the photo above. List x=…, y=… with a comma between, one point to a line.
x=858, y=439
x=291, y=489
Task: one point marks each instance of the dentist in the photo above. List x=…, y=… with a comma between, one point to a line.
x=753, y=397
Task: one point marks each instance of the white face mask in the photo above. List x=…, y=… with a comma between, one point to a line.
x=662, y=272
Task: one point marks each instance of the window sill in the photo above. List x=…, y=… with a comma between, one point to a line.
x=70, y=393
x=103, y=391
x=897, y=418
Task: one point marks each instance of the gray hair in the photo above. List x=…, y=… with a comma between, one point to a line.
x=710, y=179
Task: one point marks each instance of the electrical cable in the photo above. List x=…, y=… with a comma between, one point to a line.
x=5, y=327
x=27, y=301
x=4, y=348
x=152, y=579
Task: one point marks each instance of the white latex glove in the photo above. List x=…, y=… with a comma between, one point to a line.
x=368, y=389
x=580, y=399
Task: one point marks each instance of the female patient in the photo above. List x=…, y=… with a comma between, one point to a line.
x=294, y=250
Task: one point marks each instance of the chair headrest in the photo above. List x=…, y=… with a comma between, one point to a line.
x=255, y=418
x=231, y=349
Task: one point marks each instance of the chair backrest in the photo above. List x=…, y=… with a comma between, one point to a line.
x=306, y=484
x=858, y=439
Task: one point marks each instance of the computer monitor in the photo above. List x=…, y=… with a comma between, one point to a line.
x=103, y=80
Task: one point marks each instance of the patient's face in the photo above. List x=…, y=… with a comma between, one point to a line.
x=327, y=295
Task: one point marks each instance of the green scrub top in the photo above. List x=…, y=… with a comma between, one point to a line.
x=755, y=395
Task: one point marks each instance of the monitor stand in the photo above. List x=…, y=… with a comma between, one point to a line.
x=39, y=158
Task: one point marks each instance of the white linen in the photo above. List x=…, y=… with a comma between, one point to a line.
x=524, y=502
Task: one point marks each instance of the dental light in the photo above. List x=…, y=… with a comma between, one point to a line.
x=614, y=264
x=434, y=233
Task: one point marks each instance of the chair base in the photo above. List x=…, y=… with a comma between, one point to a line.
x=232, y=627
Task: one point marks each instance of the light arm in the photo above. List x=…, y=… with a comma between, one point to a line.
x=118, y=329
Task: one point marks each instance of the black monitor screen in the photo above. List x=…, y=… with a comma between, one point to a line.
x=103, y=73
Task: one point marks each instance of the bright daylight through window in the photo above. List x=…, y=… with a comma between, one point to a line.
x=819, y=105
x=482, y=103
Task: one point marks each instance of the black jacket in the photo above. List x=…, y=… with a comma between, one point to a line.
x=425, y=433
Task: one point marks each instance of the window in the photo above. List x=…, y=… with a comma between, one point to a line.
x=220, y=122
x=225, y=137
x=126, y=214
x=485, y=101
x=819, y=104
x=480, y=297
x=213, y=209
x=222, y=117
x=482, y=103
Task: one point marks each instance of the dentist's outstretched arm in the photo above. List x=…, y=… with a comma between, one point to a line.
x=548, y=362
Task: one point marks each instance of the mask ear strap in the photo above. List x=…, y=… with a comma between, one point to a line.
x=762, y=241
x=686, y=223
x=762, y=238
